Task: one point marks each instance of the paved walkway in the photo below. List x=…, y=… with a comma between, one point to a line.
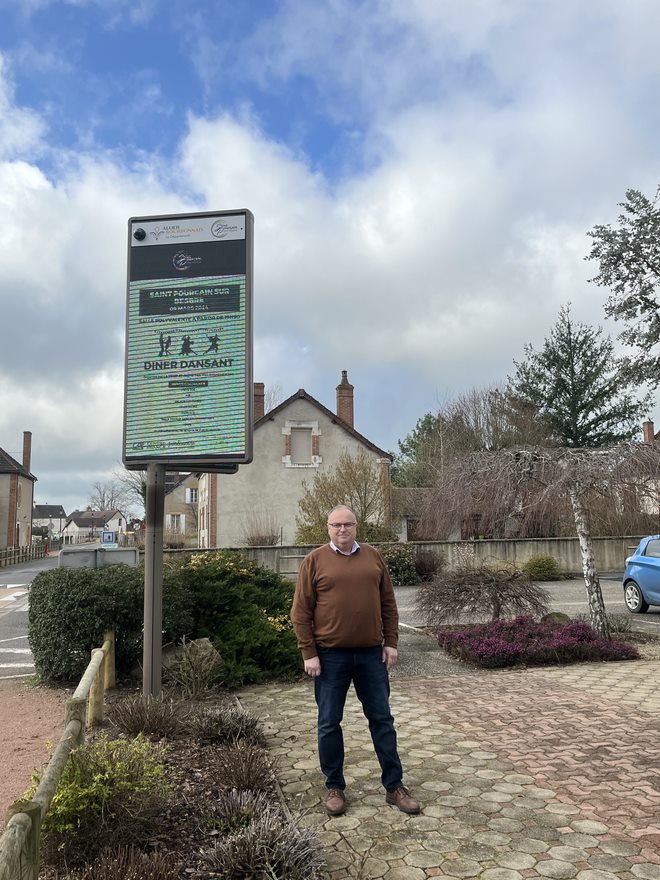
x=551, y=773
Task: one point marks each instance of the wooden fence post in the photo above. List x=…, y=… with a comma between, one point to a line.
x=96, y=693
x=30, y=868
x=110, y=664
x=75, y=711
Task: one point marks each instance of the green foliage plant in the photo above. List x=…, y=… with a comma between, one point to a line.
x=542, y=568
x=628, y=257
x=109, y=793
x=71, y=608
x=400, y=561
x=244, y=610
x=577, y=388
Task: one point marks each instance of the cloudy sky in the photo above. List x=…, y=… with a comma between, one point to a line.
x=422, y=175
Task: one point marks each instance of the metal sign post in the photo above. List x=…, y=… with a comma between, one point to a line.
x=188, y=402
x=153, y=582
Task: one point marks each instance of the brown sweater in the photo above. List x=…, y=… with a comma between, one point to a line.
x=344, y=601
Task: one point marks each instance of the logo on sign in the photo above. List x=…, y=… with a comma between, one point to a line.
x=183, y=261
x=220, y=229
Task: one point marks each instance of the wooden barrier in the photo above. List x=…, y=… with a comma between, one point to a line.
x=15, y=555
x=20, y=843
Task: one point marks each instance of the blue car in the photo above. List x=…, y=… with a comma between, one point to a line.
x=641, y=579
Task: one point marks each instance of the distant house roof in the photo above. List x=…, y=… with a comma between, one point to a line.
x=48, y=511
x=9, y=465
x=301, y=394
x=92, y=518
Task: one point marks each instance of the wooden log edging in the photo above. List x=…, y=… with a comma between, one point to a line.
x=20, y=842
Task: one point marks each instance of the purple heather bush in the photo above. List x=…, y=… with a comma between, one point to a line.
x=523, y=641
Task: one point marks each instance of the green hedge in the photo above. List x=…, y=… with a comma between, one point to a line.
x=242, y=608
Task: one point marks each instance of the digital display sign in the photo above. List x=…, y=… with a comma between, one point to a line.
x=188, y=382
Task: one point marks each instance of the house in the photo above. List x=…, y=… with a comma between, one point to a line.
x=88, y=525
x=16, y=497
x=49, y=520
x=295, y=440
x=181, y=508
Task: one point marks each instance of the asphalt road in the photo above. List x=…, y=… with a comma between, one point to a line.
x=568, y=596
x=15, y=654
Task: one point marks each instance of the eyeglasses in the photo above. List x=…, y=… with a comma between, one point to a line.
x=342, y=525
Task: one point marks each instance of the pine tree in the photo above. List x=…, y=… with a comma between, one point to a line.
x=577, y=388
x=629, y=265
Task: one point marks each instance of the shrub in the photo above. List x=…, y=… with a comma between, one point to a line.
x=225, y=723
x=161, y=719
x=236, y=809
x=542, y=568
x=479, y=591
x=428, y=563
x=127, y=863
x=71, y=608
x=523, y=641
x=268, y=846
x=242, y=765
x=194, y=671
x=244, y=610
x=400, y=561
x=109, y=793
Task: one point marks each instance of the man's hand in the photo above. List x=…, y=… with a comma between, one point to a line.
x=313, y=667
x=389, y=657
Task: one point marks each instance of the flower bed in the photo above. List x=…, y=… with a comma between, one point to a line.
x=523, y=641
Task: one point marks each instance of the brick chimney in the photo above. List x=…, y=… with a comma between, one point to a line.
x=259, y=394
x=27, y=449
x=649, y=432
x=345, y=399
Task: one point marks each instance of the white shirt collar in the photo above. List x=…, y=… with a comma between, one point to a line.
x=354, y=548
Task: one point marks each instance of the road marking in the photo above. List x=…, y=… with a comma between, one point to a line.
x=12, y=598
x=15, y=586
x=15, y=651
x=16, y=665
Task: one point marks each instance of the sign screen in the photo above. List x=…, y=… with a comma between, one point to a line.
x=188, y=340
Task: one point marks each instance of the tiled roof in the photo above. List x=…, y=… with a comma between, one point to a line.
x=9, y=465
x=302, y=394
x=48, y=511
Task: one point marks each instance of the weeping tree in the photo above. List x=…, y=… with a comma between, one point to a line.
x=511, y=486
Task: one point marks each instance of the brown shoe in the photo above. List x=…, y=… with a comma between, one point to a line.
x=402, y=799
x=335, y=802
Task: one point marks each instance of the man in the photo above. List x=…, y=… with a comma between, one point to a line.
x=345, y=617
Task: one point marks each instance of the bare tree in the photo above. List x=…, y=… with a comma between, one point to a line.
x=518, y=484
x=110, y=495
x=478, y=419
x=357, y=481
x=273, y=396
x=134, y=486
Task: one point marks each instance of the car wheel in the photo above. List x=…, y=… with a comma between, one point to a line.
x=632, y=596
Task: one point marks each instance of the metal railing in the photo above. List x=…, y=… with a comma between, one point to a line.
x=20, y=842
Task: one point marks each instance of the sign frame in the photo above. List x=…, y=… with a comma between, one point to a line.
x=200, y=250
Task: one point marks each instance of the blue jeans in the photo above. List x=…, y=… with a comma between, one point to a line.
x=365, y=668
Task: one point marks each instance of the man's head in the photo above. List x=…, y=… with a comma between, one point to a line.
x=342, y=526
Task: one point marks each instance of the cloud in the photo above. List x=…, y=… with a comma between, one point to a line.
x=488, y=139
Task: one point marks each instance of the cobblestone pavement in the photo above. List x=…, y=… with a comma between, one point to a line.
x=551, y=773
